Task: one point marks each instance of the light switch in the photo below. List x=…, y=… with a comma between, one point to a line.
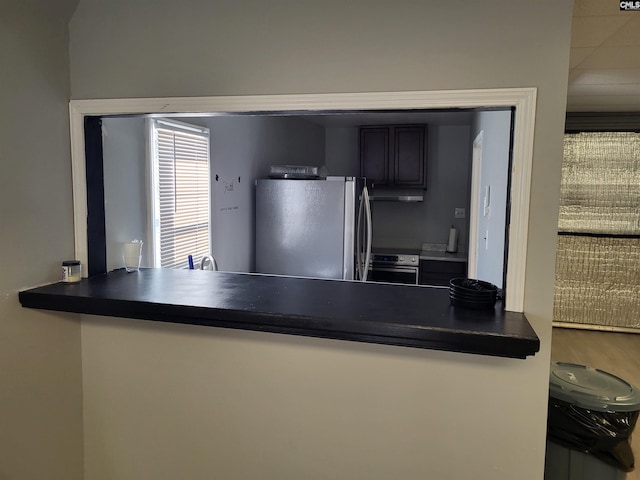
x=487, y=200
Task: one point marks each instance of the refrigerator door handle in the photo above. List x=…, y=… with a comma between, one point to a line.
x=359, y=252
x=367, y=256
x=364, y=234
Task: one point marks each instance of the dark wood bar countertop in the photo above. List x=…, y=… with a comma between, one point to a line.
x=410, y=316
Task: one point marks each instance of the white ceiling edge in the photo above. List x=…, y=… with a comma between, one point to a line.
x=523, y=99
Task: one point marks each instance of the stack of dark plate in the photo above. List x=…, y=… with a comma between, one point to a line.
x=470, y=293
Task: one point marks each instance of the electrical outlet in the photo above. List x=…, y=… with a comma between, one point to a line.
x=460, y=213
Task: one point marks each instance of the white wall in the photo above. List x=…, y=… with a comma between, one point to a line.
x=167, y=401
x=40, y=358
x=496, y=132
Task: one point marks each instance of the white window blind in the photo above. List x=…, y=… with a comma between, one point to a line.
x=181, y=191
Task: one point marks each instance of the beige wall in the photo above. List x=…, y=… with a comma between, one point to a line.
x=40, y=363
x=168, y=401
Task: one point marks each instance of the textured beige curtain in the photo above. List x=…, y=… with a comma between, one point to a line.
x=598, y=257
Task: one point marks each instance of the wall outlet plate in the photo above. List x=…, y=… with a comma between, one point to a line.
x=459, y=213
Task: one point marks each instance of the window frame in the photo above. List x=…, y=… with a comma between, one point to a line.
x=523, y=99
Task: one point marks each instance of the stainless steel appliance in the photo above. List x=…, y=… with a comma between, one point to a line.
x=395, y=266
x=313, y=228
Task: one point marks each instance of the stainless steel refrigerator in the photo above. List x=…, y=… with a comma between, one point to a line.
x=313, y=228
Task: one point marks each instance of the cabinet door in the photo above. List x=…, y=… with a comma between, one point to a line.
x=374, y=154
x=435, y=272
x=410, y=156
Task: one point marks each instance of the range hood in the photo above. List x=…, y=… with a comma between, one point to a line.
x=398, y=195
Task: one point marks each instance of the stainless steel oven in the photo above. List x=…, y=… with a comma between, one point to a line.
x=395, y=266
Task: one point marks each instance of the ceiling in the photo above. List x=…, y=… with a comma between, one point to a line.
x=604, y=67
x=604, y=64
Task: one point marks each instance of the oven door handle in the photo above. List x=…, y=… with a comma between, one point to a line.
x=413, y=270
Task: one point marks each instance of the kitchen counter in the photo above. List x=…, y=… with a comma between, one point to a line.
x=441, y=255
x=410, y=316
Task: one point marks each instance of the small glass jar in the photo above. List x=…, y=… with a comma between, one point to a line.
x=71, y=271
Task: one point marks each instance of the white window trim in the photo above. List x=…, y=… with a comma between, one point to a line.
x=152, y=192
x=522, y=99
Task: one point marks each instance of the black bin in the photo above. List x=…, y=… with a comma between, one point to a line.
x=591, y=416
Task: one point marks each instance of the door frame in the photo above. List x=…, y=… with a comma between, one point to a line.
x=523, y=100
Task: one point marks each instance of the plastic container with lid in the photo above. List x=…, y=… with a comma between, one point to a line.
x=71, y=271
x=594, y=413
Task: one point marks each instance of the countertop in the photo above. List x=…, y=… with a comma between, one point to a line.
x=435, y=252
x=405, y=315
x=441, y=255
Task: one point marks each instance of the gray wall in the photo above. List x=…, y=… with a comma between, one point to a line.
x=496, y=130
x=242, y=149
x=125, y=186
x=238, y=404
x=245, y=147
x=342, y=151
x=448, y=169
x=40, y=362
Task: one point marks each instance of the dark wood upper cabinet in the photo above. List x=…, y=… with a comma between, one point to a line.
x=374, y=154
x=394, y=155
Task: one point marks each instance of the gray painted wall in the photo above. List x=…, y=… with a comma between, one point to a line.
x=342, y=150
x=448, y=167
x=408, y=225
x=242, y=149
x=40, y=359
x=496, y=128
x=238, y=404
x=125, y=187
